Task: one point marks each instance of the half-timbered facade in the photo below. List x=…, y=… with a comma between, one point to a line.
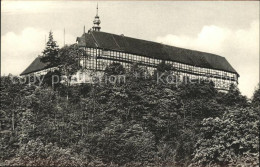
x=104, y=48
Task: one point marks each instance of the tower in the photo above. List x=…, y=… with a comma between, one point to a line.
x=96, y=22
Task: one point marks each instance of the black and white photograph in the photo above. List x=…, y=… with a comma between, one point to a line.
x=130, y=83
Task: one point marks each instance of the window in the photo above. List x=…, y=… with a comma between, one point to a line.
x=225, y=73
x=147, y=60
x=190, y=68
x=135, y=58
x=139, y=58
x=123, y=56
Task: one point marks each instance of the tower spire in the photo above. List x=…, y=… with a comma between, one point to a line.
x=97, y=8
x=96, y=22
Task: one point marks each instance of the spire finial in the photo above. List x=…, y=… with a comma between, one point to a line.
x=97, y=8
x=96, y=22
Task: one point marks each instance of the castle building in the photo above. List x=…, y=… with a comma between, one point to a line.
x=104, y=48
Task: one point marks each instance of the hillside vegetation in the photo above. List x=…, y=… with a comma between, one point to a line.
x=137, y=123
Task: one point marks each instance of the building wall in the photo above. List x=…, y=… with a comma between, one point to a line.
x=98, y=59
x=42, y=72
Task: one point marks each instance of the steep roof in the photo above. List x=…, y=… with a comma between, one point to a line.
x=36, y=65
x=150, y=49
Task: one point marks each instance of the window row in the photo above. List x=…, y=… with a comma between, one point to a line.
x=126, y=57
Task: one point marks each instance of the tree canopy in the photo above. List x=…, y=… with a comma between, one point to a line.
x=50, y=53
x=138, y=123
x=115, y=69
x=256, y=96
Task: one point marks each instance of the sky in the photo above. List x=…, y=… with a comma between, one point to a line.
x=226, y=28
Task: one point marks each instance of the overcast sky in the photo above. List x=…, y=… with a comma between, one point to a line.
x=226, y=28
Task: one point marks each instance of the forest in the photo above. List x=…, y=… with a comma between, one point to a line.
x=137, y=123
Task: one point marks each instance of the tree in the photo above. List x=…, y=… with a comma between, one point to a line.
x=231, y=137
x=166, y=73
x=163, y=67
x=10, y=111
x=233, y=97
x=256, y=97
x=69, y=60
x=50, y=53
x=10, y=96
x=51, y=81
x=137, y=72
x=38, y=153
x=122, y=143
x=115, y=69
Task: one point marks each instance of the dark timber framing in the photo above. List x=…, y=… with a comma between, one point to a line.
x=98, y=59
